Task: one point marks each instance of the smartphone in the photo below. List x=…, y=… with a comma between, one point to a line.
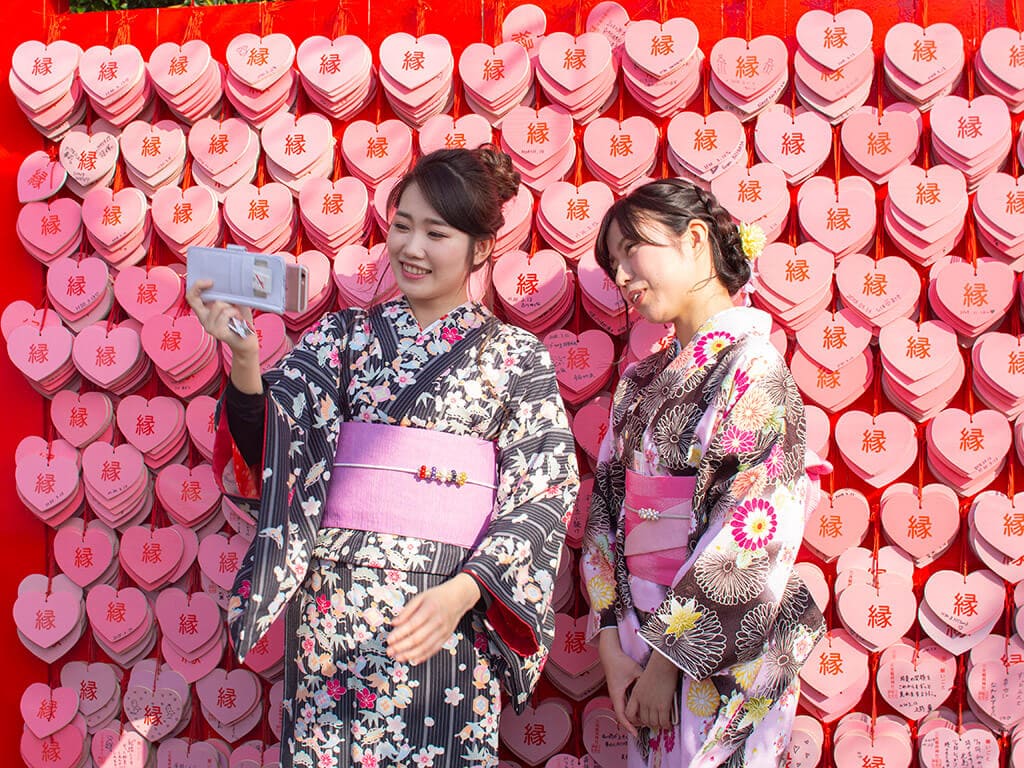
x=259, y=280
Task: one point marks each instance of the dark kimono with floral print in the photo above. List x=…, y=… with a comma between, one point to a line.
x=346, y=702
x=738, y=621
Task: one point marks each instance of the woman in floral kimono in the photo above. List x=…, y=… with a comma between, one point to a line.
x=415, y=469
x=700, y=500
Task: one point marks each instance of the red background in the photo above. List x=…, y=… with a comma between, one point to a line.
x=24, y=543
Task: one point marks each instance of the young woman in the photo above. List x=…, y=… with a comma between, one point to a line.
x=699, y=501
x=415, y=469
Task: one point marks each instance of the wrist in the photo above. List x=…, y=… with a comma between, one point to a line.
x=468, y=591
x=659, y=665
x=245, y=372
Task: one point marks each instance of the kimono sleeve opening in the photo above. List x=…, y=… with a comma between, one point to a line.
x=234, y=474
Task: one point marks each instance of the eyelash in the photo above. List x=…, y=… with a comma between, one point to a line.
x=403, y=228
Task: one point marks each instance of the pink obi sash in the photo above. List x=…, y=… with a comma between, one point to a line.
x=412, y=482
x=659, y=511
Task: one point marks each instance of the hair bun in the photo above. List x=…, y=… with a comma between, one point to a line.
x=506, y=177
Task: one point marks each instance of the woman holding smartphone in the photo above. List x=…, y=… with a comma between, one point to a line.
x=699, y=501
x=414, y=467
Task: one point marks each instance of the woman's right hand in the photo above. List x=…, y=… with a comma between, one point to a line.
x=620, y=672
x=214, y=317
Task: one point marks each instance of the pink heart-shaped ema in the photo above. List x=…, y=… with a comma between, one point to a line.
x=119, y=747
x=833, y=339
x=260, y=61
x=83, y=553
x=603, y=738
x=795, y=274
x=576, y=211
x=414, y=61
x=228, y=709
x=480, y=63
x=46, y=710
x=95, y=683
x=573, y=62
x=106, y=355
x=188, y=620
x=111, y=216
x=466, y=132
x=976, y=294
x=88, y=157
x=571, y=653
x=805, y=745
x=329, y=65
x=582, y=362
x=837, y=216
x=996, y=687
x=76, y=285
x=748, y=68
x=708, y=144
x=997, y=51
x=49, y=229
x=174, y=68
x=794, y=143
x=268, y=652
x=111, y=471
x=974, y=443
x=964, y=603
x=171, y=342
x=996, y=202
x=62, y=749
x=876, y=447
x=917, y=350
x=645, y=44
x=334, y=207
x=834, y=39
x=218, y=144
x=152, y=148
x=873, y=287
x=519, y=732
x=109, y=73
x=878, y=614
x=924, y=54
x=46, y=484
x=187, y=493
x=537, y=135
x=199, y=419
x=861, y=748
x=922, y=523
x=181, y=216
x=47, y=619
x=945, y=748
x=970, y=128
x=917, y=685
x=258, y=212
x=39, y=352
x=115, y=614
x=927, y=197
x=151, y=555
x=153, y=713
x=145, y=292
x=294, y=143
x=620, y=148
x=1000, y=522
x=751, y=193
x=997, y=355
x=838, y=523
x=530, y=282
x=880, y=144
x=375, y=151
x=220, y=557
x=39, y=177
x=42, y=67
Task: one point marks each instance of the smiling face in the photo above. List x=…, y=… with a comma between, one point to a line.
x=662, y=278
x=430, y=258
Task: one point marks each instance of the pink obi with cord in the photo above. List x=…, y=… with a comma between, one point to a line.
x=659, y=513
x=412, y=482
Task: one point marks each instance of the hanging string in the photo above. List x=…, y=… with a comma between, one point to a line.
x=421, y=17
x=55, y=29
x=836, y=156
x=339, y=27
x=499, y=18
x=706, y=74
x=266, y=17
x=123, y=31
x=924, y=14
x=193, y=28
x=750, y=21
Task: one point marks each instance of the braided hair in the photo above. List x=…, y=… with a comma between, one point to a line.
x=673, y=204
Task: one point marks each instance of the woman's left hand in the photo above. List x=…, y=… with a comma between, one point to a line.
x=650, y=704
x=428, y=620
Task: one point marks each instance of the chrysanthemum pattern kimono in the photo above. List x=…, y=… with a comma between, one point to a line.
x=346, y=703
x=722, y=420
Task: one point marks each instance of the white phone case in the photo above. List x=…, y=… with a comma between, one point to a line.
x=250, y=279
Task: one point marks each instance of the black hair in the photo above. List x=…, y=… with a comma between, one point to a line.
x=673, y=204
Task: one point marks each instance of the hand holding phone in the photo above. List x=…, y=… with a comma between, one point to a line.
x=258, y=280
